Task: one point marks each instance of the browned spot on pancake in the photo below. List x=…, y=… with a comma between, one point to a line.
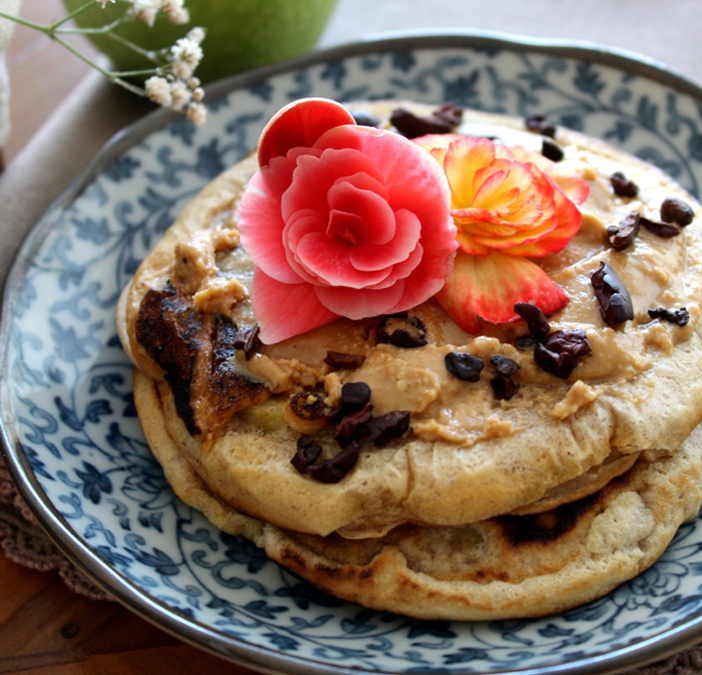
x=545, y=528
x=170, y=331
x=228, y=390
x=196, y=353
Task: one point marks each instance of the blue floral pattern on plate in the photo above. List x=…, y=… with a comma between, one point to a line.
x=76, y=447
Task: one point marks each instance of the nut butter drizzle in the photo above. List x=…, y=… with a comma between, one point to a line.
x=556, y=352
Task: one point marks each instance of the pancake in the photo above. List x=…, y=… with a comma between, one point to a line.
x=463, y=441
x=485, y=505
x=505, y=567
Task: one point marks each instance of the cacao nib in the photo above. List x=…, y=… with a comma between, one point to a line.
x=660, y=228
x=674, y=210
x=622, y=236
x=247, y=339
x=560, y=352
x=411, y=335
x=448, y=112
x=678, y=316
x=535, y=319
x=441, y=121
x=353, y=425
x=504, y=365
x=307, y=452
x=385, y=428
x=464, y=366
x=622, y=186
x=354, y=395
x=503, y=387
x=334, y=469
x=365, y=118
x=612, y=296
x=338, y=360
x=539, y=125
x=551, y=150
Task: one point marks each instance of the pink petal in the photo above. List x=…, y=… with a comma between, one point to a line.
x=377, y=221
x=260, y=220
x=299, y=124
x=315, y=175
x=328, y=260
x=488, y=287
x=360, y=304
x=300, y=311
x=370, y=256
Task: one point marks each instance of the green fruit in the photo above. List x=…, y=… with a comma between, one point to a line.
x=240, y=34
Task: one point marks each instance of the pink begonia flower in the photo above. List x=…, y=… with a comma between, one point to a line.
x=342, y=221
x=509, y=204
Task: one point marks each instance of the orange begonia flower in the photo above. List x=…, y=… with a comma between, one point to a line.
x=509, y=204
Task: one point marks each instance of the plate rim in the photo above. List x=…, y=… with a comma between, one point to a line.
x=258, y=657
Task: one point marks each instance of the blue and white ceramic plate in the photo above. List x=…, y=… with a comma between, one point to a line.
x=75, y=446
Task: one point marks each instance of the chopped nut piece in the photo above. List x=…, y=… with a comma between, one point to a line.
x=353, y=425
x=622, y=236
x=674, y=210
x=534, y=317
x=538, y=125
x=678, y=316
x=334, y=469
x=402, y=330
x=247, y=339
x=612, y=295
x=503, y=387
x=441, y=121
x=339, y=360
x=385, y=428
x=560, y=352
x=504, y=365
x=552, y=150
x=354, y=395
x=660, y=228
x=464, y=366
x=622, y=186
x=307, y=452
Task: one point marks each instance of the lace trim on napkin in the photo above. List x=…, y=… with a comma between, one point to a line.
x=23, y=541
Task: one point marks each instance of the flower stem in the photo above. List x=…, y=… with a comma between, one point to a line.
x=24, y=22
x=74, y=13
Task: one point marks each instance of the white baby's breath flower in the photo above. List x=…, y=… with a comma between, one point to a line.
x=180, y=17
x=145, y=14
x=158, y=90
x=198, y=94
x=171, y=6
x=187, y=51
x=180, y=95
x=196, y=35
x=197, y=113
x=194, y=82
x=181, y=70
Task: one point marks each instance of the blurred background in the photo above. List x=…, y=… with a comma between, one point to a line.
x=42, y=73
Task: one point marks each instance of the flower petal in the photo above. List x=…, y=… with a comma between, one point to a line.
x=278, y=320
x=260, y=221
x=371, y=256
x=299, y=124
x=488, y=287
x=362, y=303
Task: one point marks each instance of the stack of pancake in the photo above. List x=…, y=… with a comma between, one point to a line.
x=483, y=505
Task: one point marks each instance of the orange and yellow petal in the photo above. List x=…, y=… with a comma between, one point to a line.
x=485, y=289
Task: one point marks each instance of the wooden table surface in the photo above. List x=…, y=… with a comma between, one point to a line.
x=46, y=629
